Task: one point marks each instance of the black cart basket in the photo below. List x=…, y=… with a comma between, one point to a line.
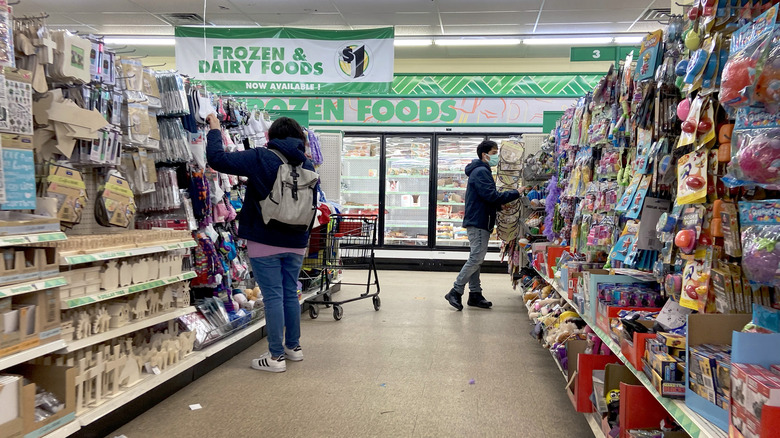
x=346, y=242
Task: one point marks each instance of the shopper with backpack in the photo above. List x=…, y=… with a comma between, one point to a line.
x=278, y=212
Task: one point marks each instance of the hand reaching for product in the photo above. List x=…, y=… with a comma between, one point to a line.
x=213, y=121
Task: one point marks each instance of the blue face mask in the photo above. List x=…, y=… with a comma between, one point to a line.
x=493, y=160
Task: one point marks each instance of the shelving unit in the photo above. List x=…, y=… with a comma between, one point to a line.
x=140, y=287
x=76, y=259
x=694, y=424
x=31, y=286
x=129, y=328
x=29, y=354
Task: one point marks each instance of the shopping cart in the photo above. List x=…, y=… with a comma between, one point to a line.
x=346, y=242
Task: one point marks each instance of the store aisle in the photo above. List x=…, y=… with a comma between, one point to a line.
x=404, y=371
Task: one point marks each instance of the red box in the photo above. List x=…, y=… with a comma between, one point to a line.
x=634, y=353
x=770, y=421
x=605, y=313
x=553, y=254
x=639, y=409
x=583, y=387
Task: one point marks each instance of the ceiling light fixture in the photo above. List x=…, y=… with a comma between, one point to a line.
x=477, y=41
x=567, y=41
x=139, y=41
x=413, y=42
x=628, y=39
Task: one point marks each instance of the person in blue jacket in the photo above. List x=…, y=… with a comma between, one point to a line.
x=276, y=255
x=482, y=203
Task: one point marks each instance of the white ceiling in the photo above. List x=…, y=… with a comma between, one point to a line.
x=410, y=17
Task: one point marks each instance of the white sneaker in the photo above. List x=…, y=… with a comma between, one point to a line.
x=267, y=363
x=295, y=355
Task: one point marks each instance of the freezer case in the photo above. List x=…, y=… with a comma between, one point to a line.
x=453, y=154
x=407, y=187
x=360, y=167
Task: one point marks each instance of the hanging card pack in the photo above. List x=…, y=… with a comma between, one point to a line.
x=16, y=109
x=115, y=205
x=760, y=221
x=133, y=73
x=756, y=148
x=67, y=186
x=7, y=58
x=691, y=178
x=71, y=59
x=649, y=55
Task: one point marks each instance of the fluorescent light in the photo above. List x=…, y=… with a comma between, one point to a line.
x=410, y=42
x=477, y=41
x=139, y=41
x=629, y=40
x=566, y=41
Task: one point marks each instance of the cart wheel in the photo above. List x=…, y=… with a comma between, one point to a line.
x=377, y=302
x=314, y=312
x=338, y=312
x=326, y=298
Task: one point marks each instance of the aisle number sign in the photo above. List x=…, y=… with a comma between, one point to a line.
x=601, y=53
x=519, y=112
x=259, y=61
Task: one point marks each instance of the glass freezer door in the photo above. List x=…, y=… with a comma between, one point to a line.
x=360, y=164
x=407, y=187
x=453, y=154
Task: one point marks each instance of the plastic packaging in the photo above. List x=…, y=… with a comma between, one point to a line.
x=756, y=141
x=761, y=241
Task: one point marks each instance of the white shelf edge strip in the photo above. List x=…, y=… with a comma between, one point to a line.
x=71, y=303
x=32, y=286
x=75, y=259
x=31, y=353
x=24, y=239
x=115, y=333
x=65, y=431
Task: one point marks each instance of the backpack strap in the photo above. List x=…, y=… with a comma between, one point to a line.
x=280, y=155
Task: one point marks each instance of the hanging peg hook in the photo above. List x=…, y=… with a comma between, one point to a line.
x=125, y=52
x=137, y=57
x=14, y=3
x=157, y=65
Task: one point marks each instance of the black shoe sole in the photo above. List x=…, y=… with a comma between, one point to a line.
x=481, y=306
x=458, y=306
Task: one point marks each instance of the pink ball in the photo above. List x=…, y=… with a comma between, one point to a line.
x=683, y=108
x=759, y=160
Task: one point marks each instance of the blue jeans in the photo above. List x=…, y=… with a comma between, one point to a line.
x=469, y=273
x=277, y=276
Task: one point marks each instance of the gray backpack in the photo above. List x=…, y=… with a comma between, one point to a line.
x=292, y=203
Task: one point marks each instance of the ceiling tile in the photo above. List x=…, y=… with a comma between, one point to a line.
x=126, y=19
x=574, y=28
x=188, y=6
x=391, y=19
x=76, y=5
x=488, y=5
x=314, y=20
x=231, y=20
x=135, y=30
x=607, y=5
x=257, y=7
x=576, y=16
x=476, y=18
x=379, y=7
x=500, y=29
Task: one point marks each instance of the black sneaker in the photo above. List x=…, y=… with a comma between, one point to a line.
x=477, y=300
x=455, y=299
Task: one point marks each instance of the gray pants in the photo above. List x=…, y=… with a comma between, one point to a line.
x=469, y=273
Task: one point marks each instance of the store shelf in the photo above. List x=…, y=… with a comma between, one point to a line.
x=694, y=424
x=32, y=286
x=449, y=189
x=405, y=225
x=31, y=353
x=451, y=203
x=23, y=239
x=395, y=207
x=558, y=364
x=140, y=287
x=449, y=220
x=147, y=384
x=129, y=328
x=595, y=425
x=75, y=259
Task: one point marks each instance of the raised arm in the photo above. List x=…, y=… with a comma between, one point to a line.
x=243, y=163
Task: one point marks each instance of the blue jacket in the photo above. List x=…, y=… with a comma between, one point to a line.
x=482, y=198
x=260, y=166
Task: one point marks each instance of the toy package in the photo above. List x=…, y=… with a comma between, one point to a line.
x=749, y=50
x=649, y=55
x=760, y=236
x=756, y=147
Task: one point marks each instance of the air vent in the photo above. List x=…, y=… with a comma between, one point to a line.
x=658, y=14
x=183, y=19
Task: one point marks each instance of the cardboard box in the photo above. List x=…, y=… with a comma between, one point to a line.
x=639, y=409
x=710, y=329
x=60, y=381
x=762, y=391
x=19, y=323
x=583, y=385
x=664, y=365
x=671, y=389
x=606, y=313
x=12, y=394
x=671, y=340
x=634, y=350
x=47, y=304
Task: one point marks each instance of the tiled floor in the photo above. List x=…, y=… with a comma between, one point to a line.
x=404, y=371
